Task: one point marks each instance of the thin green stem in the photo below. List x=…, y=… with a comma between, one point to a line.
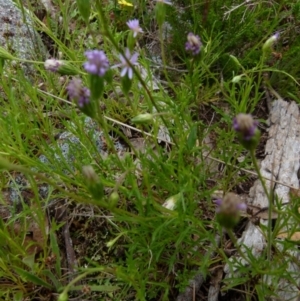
x=235, y=242
x=127, y=215
x=256, y=167
x=270, y=208
x=191, y=74
x=136, y=73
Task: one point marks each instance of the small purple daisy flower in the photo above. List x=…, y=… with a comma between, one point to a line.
x=78, y=93
x=193, y=44
x=135, y=27
x=97, y=62
x=245, y=125
x=126, y=68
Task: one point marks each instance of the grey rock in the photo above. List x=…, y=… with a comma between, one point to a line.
x=69, y=152
x=281, y=163
x=19, y=38
x=69, y=149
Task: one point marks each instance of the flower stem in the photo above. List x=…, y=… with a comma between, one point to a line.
x=137, y=74
x=270, y=207
x=235, y=242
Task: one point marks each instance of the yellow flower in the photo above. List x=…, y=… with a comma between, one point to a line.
x=125, y=3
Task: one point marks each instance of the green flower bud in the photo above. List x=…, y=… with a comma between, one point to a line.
x=171, y=202
x=237, y=78
x=236, y=61
x=110, y=243
x=270, y=42
x=160, y=13
x=93, y=182
x=63, y=296
x=142, y=118
x=61, y=67
x=114, y=199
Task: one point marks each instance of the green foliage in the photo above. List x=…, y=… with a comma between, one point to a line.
x=152, y=226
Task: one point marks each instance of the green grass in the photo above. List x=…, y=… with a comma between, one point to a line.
x=128, y=246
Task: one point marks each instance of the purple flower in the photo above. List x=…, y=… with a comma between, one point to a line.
x=193, y=44
x=126, y=68
x=276, y=35
x=245, y=125
x=134, y=26
x=229, y=209
x=97, y=62
x=231, y=201
x=78, y=93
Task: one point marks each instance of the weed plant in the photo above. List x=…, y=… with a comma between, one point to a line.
x=141, y=219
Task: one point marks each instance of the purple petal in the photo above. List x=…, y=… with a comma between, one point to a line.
x=127, y=53
x=134, y=58
x=130, y=73
x=242, y=207
x=123, y=71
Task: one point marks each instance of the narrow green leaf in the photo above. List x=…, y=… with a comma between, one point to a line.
x=53, y=278
x=192, y=138
x=18, y=296
x=32, y=278
x=29, y=260
x=97, y=288
x=55, y=250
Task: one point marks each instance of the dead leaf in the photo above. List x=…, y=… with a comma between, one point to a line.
x=294, y=192
x=263, y=213
x=294, y=237
x=139, y=144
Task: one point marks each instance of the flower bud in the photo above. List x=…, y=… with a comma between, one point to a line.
x=81, y=95
x=90, y=174
x=142, y=118
x=228, y=210
x=193, y=44
x=237, y=79
x=236, y=61
x=93, y=182
x=171, y=202
x=110, y=243
x=160, y=12
x=63, y=296
x=114, y=199
x=247, y=130
x=61, y=67
x=270, y=42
